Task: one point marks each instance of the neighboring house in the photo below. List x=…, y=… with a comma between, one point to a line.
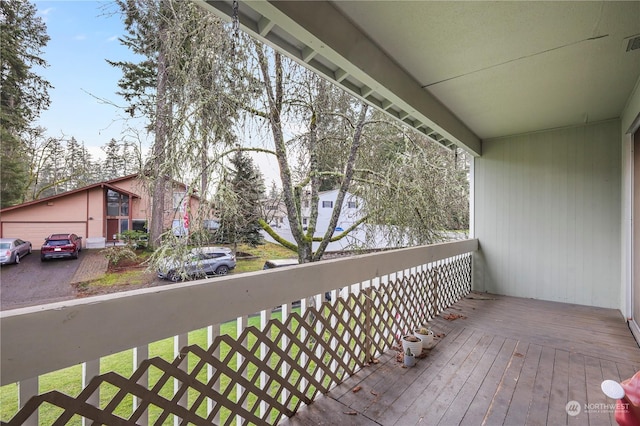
x=275, y=212
x=96, y=212
x=361, y=237
x=349, y=214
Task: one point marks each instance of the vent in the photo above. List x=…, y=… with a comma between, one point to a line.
x=633, y=43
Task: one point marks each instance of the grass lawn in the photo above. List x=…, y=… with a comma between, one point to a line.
x=69, y=380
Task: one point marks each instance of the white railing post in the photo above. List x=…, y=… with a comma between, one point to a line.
x=91, y=369
x=179, y=342
x=265, y=316
x=241, y=324
x=26, y=389
x=140, y=354
x=213, y=331
x=284, y=369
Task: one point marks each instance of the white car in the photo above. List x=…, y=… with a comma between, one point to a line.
x=199, y=263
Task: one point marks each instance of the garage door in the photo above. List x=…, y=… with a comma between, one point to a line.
x=36, y=232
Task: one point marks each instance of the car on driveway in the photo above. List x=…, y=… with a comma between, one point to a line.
x=12, y=249
x=199, y=263
x=61, y=245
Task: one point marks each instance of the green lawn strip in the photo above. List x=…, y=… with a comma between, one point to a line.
x=69, y=380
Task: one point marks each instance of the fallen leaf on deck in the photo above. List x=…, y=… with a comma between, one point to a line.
x=376, y=361
x=351, y=413
x=519, y=355
x=356, y=389
x=374, y=393
x=440, y=335
x=451, y=317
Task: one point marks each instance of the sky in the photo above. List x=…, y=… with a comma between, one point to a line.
x=83, y=35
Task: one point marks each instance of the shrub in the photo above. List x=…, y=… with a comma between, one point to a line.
x=135, y=239
x=115, y=254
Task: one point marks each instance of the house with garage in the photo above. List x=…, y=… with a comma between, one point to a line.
x=97, y=212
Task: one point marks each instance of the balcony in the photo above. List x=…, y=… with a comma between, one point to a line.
x=500, y=360
x=301, y=361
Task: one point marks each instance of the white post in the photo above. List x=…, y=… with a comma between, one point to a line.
x=27, y=389
x=91, y=369
x=179, y=342
x=140, y=354
x=213, y=331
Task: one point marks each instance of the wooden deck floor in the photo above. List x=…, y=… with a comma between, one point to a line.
x=511, y=361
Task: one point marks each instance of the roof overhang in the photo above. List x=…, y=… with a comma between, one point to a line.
x=343, y=54
x=462, y=72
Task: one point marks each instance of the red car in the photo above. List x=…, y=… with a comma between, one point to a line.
x=61, y=245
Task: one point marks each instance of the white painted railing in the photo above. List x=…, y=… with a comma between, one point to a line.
x=46, y=338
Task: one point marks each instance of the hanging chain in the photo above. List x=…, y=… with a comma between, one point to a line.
x=235, y=22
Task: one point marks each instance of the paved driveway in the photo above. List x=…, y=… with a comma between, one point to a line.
x=33, y=282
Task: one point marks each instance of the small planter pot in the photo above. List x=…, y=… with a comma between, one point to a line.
x=414, y=343
x=409, y=360
x=428, y=340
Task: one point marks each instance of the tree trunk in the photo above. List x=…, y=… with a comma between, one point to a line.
x=159, y=146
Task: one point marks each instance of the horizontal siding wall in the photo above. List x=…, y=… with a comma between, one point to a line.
x=547, y=215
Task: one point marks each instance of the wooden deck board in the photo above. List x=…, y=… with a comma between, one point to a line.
x=510, y=361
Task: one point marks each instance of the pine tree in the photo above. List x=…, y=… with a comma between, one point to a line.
x=23, y=94
x=113, y=164
x=240, y=220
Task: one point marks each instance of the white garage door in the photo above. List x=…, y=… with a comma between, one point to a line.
x=36, y=232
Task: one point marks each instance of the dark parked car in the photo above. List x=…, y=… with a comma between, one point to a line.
x=201, y=262
x=12, y=249
x=61, y=245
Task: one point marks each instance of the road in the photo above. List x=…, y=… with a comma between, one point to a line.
x=33, y=282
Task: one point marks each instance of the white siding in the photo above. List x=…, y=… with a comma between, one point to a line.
x=547, y=215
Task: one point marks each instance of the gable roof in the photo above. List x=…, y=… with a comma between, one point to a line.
x=106, y=184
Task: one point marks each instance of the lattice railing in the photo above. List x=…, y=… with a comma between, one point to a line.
x=269, y=371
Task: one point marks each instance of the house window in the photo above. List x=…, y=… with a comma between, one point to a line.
x=139, y=225
x=328, y=204
x=352, y=205
x=178, y=197
x=117, y=204
x=305, y=220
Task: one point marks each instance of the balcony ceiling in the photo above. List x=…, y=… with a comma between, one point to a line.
x=464, y=71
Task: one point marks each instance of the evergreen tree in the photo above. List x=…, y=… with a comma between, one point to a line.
x=54, y=174
x=184, y=87
x=23, y=94
x=78, y=164
x=113, y=165
x=240, y=220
